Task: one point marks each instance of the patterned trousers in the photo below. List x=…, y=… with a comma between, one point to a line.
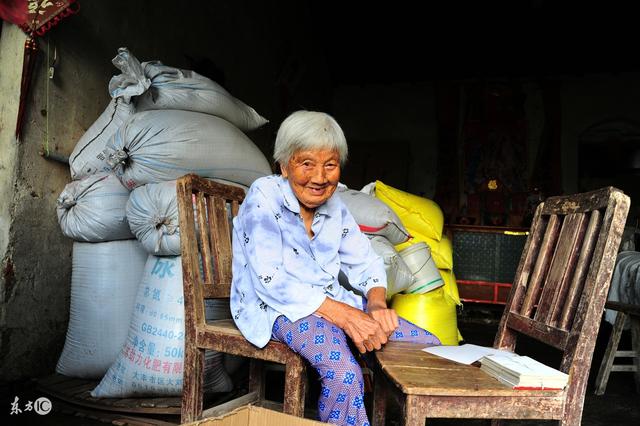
x=325, y=346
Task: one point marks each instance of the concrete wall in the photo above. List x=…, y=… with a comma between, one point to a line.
x=36, y=256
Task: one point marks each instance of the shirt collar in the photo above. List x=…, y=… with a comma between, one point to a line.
x=292, y=203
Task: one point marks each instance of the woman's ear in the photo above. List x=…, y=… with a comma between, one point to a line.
x=283, y=171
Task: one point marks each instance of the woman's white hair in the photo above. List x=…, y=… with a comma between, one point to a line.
x=309, y=130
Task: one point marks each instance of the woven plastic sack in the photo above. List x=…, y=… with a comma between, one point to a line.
x=156, y=146
x=373, y=216
x=418, y=214
x=173, y=88
x=152, y=213
x=434, y=311
x=93, y=209
x=399, y=275
x=151, y=361
x=442, y=251
x=86, y=157
x=104, y=282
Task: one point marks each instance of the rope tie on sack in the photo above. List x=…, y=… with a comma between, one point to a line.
x=163, y=226
x=66, y=201
x=118, y=158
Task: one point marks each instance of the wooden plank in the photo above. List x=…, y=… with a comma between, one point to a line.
x=204, y=226
x=610, y=354
x=223, y=239
x=565, y=319
x=635, y=345
x=542, y=332
x=583, y=333
x=563, y=264
x=495, y=407
x=627, y=308
x=579, y=203
x=227, y=407
x=506, y=339
x=110, y=416
x=541, y=266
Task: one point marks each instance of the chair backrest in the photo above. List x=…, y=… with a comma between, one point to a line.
x=205, y=210
x=563, y=278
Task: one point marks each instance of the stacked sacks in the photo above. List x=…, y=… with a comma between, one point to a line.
x=104, y=279
x=423, y=219
x=86, y=157
x=93, y=209
x=107, y=265
x=188, y=124
x=156, y=146
x=385, y=230
x=175, y=122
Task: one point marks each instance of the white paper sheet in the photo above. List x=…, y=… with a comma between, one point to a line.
x=465, y=354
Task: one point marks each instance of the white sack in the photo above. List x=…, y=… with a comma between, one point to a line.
x=156, y=146
x=173, y=88
x=93, y=209
x=87, y=157
x=104, y=282
x=399, y=276
x=152, y=213
x=151, y=361
x=373, y=216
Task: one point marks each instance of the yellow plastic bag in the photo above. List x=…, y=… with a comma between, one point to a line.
x=434, y=311
x=450, y=285
x=418, y=214
x=442, y=251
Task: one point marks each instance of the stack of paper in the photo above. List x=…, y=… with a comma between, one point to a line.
x=522, y=372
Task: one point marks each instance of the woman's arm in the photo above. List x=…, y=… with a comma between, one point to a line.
x=377, y=308
x=364, y=330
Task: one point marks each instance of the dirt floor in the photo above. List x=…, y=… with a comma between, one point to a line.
x=620, y=405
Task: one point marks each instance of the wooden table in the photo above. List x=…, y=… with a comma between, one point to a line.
x=427, y=385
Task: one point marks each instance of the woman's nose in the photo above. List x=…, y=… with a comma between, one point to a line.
x=319, y=175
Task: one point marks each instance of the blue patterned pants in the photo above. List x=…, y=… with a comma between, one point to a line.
x=326, y=348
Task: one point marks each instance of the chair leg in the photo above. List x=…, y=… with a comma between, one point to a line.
x=635, y=346
x=256, y=377
x=412, y=416
x=192, y=384
x=610, y=354
x=379, y=400
x=295, y=381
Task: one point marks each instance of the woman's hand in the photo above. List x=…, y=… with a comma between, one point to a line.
x=377, y=308
x=364, y=331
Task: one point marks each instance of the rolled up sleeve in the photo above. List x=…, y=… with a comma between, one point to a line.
x=360, y=263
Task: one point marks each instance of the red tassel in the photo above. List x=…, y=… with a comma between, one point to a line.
x=28, y=64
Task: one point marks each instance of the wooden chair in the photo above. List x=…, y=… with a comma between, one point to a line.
x=557, y=298
x=624, y=311
x=205, y=209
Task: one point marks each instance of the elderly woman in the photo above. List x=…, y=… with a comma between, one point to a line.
x=292, y=237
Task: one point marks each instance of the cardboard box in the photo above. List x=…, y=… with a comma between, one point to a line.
x=250, y=415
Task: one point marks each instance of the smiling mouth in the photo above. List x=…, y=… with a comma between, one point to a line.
x=317, y=191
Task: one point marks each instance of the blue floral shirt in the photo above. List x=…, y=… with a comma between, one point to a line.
x=279, y=270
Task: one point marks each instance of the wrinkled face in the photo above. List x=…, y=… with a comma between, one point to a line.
x=313, y=176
